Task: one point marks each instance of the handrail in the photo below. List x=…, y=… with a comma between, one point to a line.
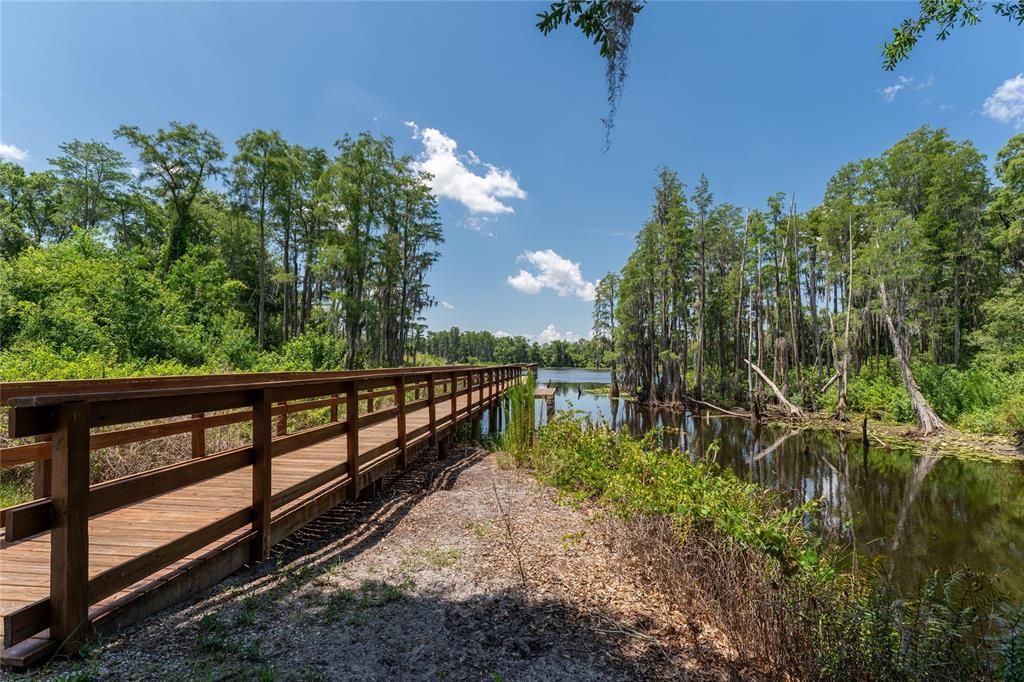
x=65, y=413
x=46, y=392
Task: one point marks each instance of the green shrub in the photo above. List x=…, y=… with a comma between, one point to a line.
x=638, y=477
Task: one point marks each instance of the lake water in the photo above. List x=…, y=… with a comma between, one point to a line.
x=908, y=511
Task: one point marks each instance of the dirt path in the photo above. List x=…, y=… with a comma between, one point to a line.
x=460, y=570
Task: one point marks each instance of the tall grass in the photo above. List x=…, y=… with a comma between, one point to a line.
x=734, y=550
x=518, y=410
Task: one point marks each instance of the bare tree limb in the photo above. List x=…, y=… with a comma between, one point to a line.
x=793, y=409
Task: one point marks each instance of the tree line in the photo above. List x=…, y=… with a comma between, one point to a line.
x=915, y=255
x=463, y=346
x=191, y=256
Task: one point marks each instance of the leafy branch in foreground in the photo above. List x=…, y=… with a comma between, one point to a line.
x=947, y=15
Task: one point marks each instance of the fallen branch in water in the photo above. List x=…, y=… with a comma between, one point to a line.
x=720, y=409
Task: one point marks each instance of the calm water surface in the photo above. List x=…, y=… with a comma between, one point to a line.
x=910, y=511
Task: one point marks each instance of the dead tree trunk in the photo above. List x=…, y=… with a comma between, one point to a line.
x=793, y=409
x=842, y=404
x=927, y=419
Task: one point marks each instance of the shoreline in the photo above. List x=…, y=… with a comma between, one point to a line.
x=887, y=435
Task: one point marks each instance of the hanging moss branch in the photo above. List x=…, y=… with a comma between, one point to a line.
x=609, y=24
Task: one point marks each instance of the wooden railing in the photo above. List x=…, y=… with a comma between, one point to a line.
x=68, y=419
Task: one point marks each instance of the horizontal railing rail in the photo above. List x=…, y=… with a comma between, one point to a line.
x=71, y=419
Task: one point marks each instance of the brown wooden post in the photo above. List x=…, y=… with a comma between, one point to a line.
x=334, y=408
x=454, y=399
x=42, y=473
x=69, y=535
x=403, y=455
x=431, y=409
x=352, y=438
x=262, y=414
x=282, y=419
x=369, y=403
x=198, y=437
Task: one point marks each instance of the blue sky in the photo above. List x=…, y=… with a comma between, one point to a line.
x=760, y=96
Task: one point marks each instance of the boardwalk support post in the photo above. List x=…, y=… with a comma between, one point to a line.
x=454, y=399
x=403, y=454
x=432, y=409
x=262, y=411
x=69, y=536
x=352, y=438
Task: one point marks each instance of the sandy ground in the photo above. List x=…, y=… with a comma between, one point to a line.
x=459, y=570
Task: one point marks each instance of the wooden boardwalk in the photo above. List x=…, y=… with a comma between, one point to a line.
x=152, y=539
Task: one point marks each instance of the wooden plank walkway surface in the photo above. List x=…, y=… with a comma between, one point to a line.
x=218, y=515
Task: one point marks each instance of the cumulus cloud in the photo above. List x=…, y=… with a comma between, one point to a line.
x=550, y=333
x=447, y=306
x=547, y=335
x=561, y=275
x=9, y=152
x=452, y=178
x=889, y=93
x=1007, y=102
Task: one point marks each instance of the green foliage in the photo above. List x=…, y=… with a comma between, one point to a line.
x=637, y=477
x=81, y=302
x=474, y=347
x=945, y=15
x=314, y=351
x=978, y=398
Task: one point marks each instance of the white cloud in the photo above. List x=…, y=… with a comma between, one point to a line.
x=945, y=107
x=926, y=83
x=9, y=152
x=447, y=306
x=452, y=179
x=550, y=334
x=477, y=223
x=561, y=275
x=889, y=93
x=1007, y=102
x=547, y=335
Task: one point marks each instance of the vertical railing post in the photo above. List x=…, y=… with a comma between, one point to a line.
x=431, y=409
x=199, y=437
x=282, y=419
x=69, y=535
x=403, y=455
x=352, y=437
x=42, y=473
x=262, y=414
x=334, y=408
x=453, y=399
